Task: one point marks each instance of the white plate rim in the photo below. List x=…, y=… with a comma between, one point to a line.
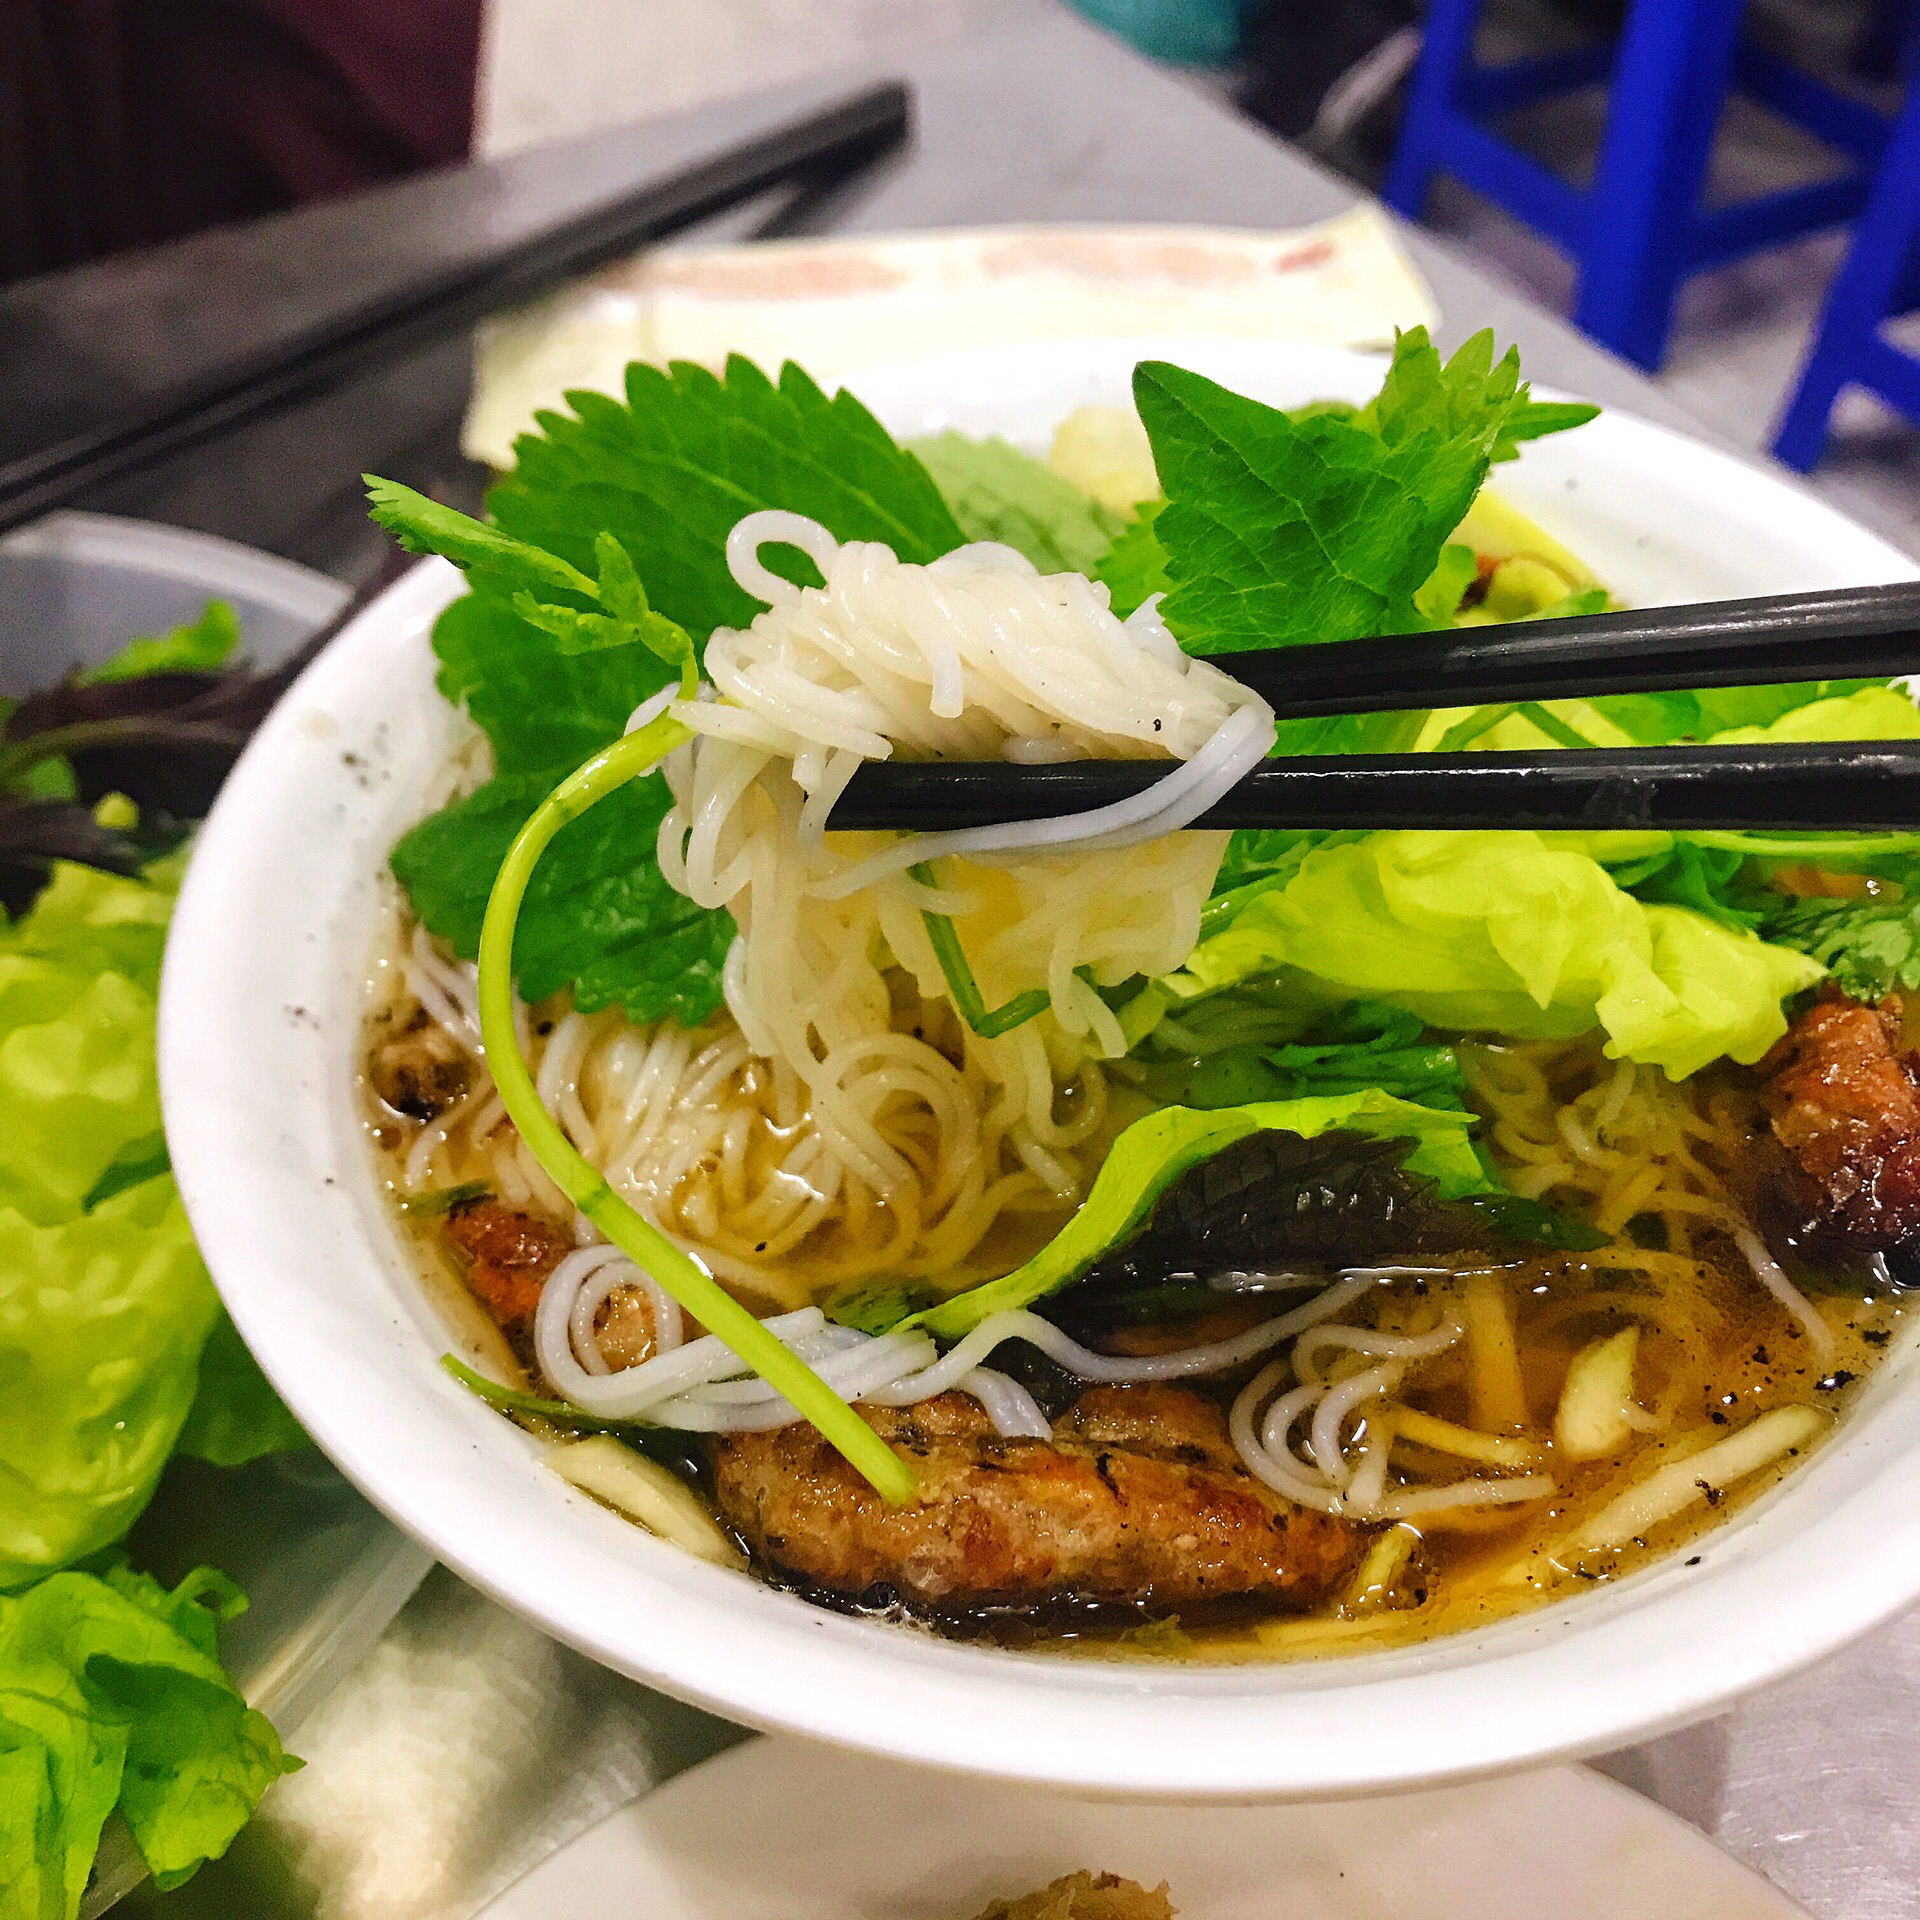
x=1566, y=1832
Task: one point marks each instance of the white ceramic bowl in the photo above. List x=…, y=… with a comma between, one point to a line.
x=258, y=1048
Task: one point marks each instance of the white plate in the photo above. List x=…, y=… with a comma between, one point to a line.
x=258, y=1045
x=780, y=1830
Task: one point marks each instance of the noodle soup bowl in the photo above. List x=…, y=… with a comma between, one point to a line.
x=265, y=989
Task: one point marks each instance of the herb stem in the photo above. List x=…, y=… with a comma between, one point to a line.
x=965, y=989
x=642, y=1242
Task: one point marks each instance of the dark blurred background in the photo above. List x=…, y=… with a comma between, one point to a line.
x=127, y=122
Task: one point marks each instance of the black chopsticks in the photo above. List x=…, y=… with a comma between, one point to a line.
x=1869, y=786
x=1867, y=633
x=1855, y=633
x=809, y=153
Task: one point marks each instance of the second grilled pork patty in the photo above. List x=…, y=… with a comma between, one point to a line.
x=1845, y=1104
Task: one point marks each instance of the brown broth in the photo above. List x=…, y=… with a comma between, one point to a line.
x=1716, y=1350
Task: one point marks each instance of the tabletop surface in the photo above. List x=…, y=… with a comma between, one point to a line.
x=1038, y=118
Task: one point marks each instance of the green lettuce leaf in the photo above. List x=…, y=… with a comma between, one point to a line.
x=102, y=1319
x=104, y=1303
x=999, y=493
x=1292, y=529
x=112, y=1695
x=1502, y=933
x=599, y=914
x=1155, y=1151
x=1721, y=716
x=1867, y=713
x=79, y=976
x=236, y=1416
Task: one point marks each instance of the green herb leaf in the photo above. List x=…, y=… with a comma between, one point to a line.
x=1364, y=1045
x=544, y=710
x=1288, y=530
x=623, y=511
x=236, y=1415
x=437, y=1202
x=1135, y=566
x=1538, y=419
x=114, y=1696
x=999, y=493
x=669, y=473
x=1154, y=1152
x=1870, y=946
x=202, y=646
x=426, y=526
x=599, y=915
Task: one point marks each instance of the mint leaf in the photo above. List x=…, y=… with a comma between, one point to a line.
x=599, y=915
x=1289, y=530
x=999, y=493
x=671, y=470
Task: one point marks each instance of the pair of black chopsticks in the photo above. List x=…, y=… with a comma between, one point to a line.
x=1863, y=633
x=814, y=156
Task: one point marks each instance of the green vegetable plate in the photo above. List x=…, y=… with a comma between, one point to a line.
x=85, y=1469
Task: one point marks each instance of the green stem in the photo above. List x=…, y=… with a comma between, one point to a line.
x=961, y=984
x=1788, y=845
x=1463, y=733
x=642, y=1242
x=1553, y=726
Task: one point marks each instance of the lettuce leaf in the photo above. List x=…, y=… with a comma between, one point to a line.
x=999, y=493
x=1155, y=1151
x=236, y=1416
x=111, y=1694
x=105, y=1306
x=1292, y=529
x=79, y=975
x=102, y=1319
x=1502, y=933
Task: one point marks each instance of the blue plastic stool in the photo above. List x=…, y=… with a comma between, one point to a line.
x=1641, y=228
x=1872, y=286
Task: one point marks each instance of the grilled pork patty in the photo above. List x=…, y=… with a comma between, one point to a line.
x=1139, y=1497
